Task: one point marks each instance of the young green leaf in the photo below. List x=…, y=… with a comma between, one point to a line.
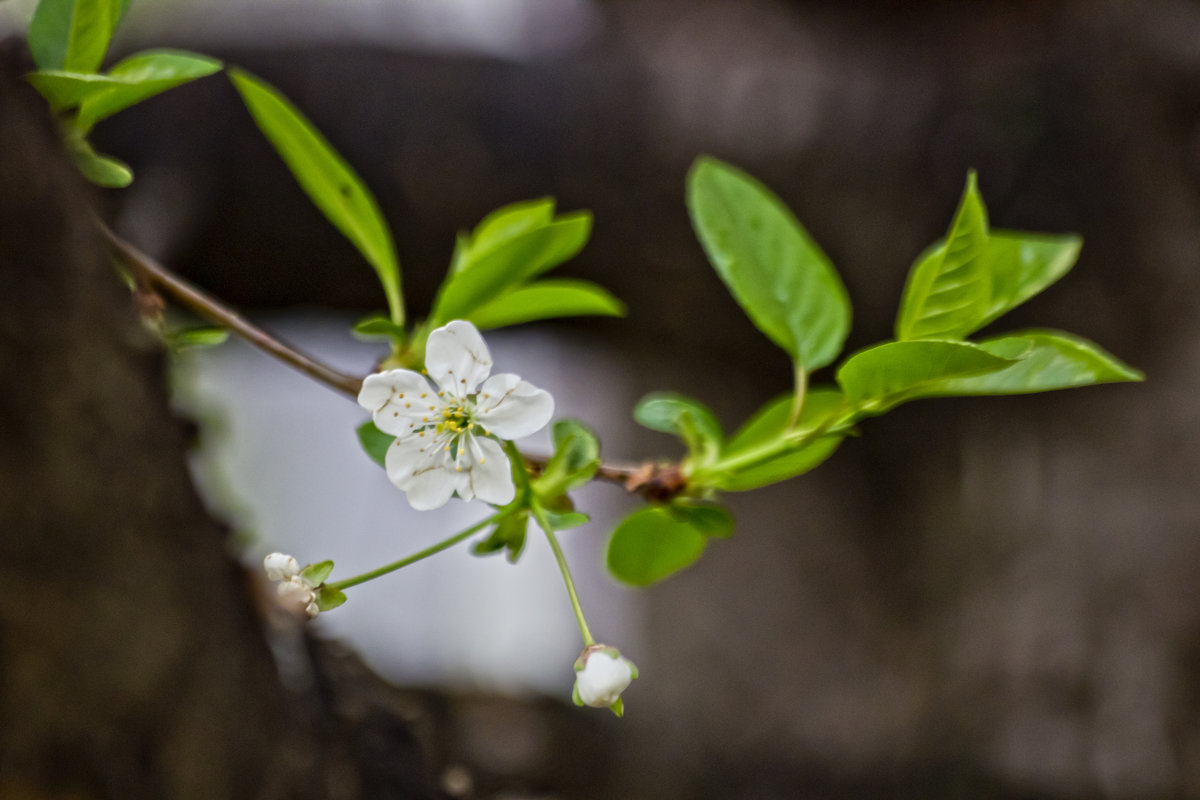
x=101, y=170
x=566, y=520
x=502, y=225
x=72, y=35
x=1022, y=265
x=206, y=336
x=545, y=300
x=576, y=459
x=329, y=598
x=374, y=442
x=709, y=519
x=770, y=421
x=949, y=289
x=773, y=268
x=377, y=325
x=64, y=90
x=652, y=544
x=766, y=426
x=140, y=77
x=1048, y=360
x=315, y=574
x=508, y=264
x=684, y=417
x=509, y=534
x=882, y=376
x=327, y=179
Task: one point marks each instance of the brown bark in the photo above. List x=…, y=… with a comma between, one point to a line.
x=133, y=661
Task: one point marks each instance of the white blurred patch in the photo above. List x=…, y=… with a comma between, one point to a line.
x=280, y=457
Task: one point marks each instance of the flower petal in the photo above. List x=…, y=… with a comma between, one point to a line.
x=398, y=400
x=457, y=358
x=431, y=489
x=419, y=466
x=511, y=408
x=490, y=477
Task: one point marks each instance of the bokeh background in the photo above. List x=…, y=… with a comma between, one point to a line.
x=978, y=598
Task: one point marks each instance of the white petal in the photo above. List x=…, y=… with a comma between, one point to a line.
x=602, y=679
x=511, y=408
x=422, y=468
x=399, y=400
x=457, y=358
x=410, y=456
x=432, y=488
x=490, y=478
x=281, y=567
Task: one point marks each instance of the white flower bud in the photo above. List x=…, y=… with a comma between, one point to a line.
x=281, y=567
x=604, y=674
x=296, y=592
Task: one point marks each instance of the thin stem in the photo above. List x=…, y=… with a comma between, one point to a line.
x=149, y=272
x=214, y=311
x=539, y=513
x=415, y=557
x=798, y=398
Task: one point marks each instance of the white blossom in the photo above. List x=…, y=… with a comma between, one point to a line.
x=601, y=674
x=280, y=566
x=294, y=590
x=444, y=433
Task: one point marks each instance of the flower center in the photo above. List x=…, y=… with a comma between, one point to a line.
x=456, y=418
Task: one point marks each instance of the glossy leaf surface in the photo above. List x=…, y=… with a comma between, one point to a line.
x=1048, y=360
x=950, y=287
x=882, y=376
x=652, y=544
x=547, y=299
x=326, y=178
x=773, y=268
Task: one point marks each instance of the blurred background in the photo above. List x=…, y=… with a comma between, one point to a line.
x=978, y=598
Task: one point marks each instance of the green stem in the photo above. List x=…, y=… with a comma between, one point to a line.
x=415, y=557
x=539, y=514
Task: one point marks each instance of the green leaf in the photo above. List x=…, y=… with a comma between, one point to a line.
x=374, y=442
x=769, y=422
x=64, y=90
x=709, y=519
x=1023, y=264
x=684, y=417
x=140, y=77
x=509, y=534
x=773, y=268
x=379, y=325
x=327, y=179
x=949, y=289
x=329, y=598
x=882, y=376
x=652, y=544
x=1048, y=360
x=566, y=520
x=101, y=170
x=768, y=425
x=206, y=336
x=315, y=574
x=781, y=468
x=72, y=35
x=544, y=300
x=576, y=459
x=502, y=225
x=509, y=264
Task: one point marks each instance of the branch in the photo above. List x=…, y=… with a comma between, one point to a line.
x=211, y=309
x=654, y=481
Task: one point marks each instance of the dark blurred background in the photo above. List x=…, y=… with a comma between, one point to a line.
x=986, y=598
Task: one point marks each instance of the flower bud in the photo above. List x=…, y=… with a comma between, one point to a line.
x=281, y=567
x=601, y=674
